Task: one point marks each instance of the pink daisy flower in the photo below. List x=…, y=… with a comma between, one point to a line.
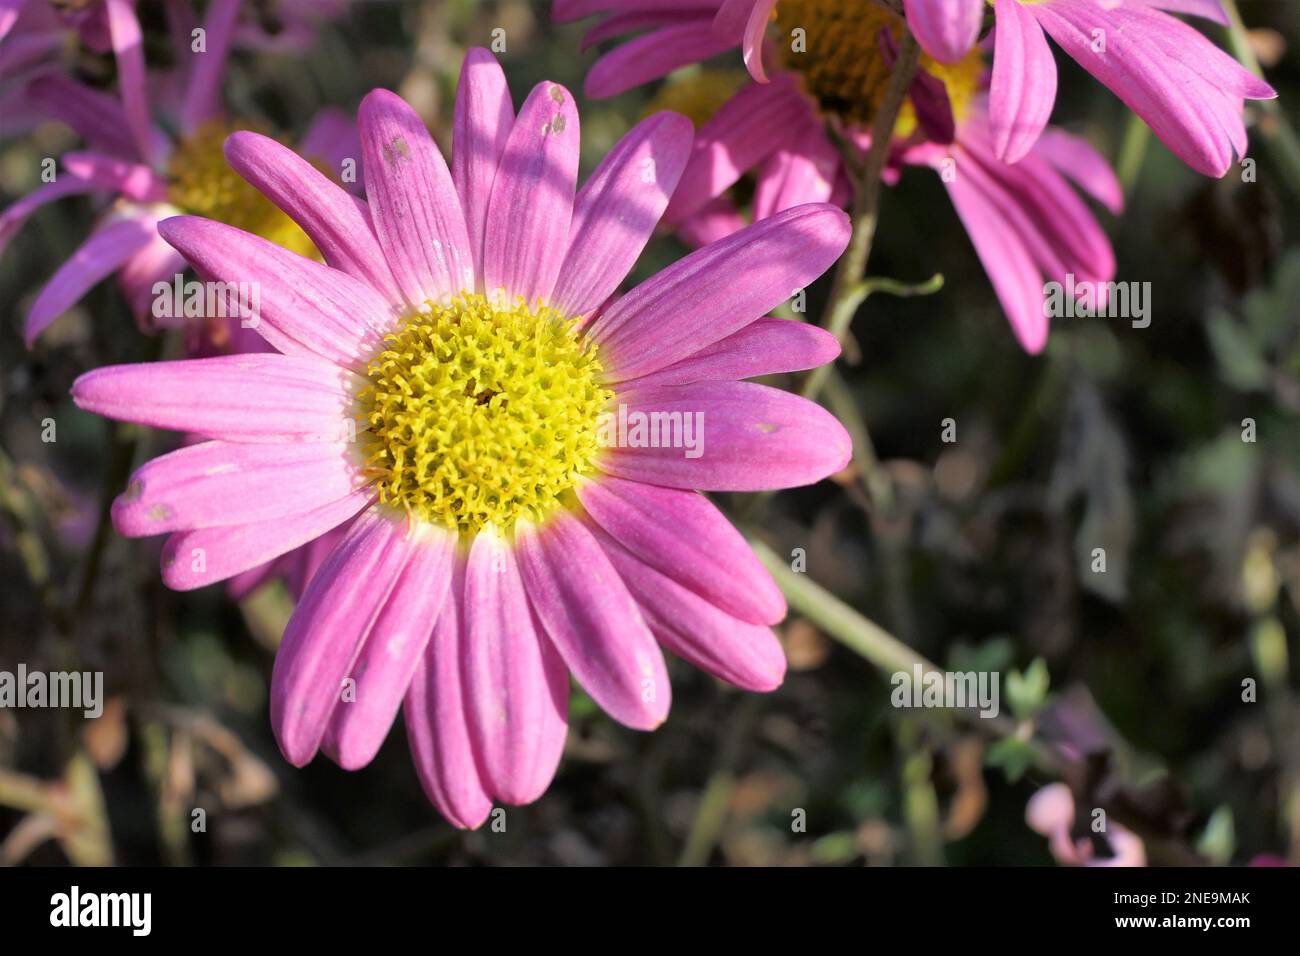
x=1026, y=223
x=1187, y=90
x=466, y=328
x=147, y=175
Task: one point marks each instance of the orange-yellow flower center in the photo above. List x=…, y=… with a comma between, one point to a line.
x=834, y=45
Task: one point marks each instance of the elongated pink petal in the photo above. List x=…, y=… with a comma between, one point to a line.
x=747, y=655
x=203, y=90
x=684, y=536
x=593, y=621
x=746, y=437
x=416, y=211
x=9, y=10
x=945, y=29
x=517, y=687
x=275, y=398
x=1010, y=266
x=792, y=177
x=13, y=218
x=302, y=307
x=1209, y=9
x=1076, y=158
x=128, y=47
x=617, y=210
x=436, y=724
x=1165, y=71
x=759, y=120
x=483, y=118
x=96, y=116
x=328, y=214
x=697, y=301
x=222, y=483
x=98, y=257
x=328, y=627
x=529, y=214
x=653, y=55
x=387, y=662
x=763, y=347
x=133, y=180
x=1024, y=82
x=154, y=262
x=194, y=559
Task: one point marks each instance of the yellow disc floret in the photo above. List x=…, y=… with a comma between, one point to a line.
x=201, y=183
x=835, y=46
x=481, y=413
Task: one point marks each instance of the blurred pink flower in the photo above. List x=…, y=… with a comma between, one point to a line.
x=1050, y=812
x=466, y=321
x=1025, y=222
x=1187, y=90
x=148, y=175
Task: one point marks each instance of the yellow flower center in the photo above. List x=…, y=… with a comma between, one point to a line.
x=201, y=183
x=481, y=414
x=835, y=46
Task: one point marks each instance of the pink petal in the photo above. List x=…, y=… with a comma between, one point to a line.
x=387, y=662
x=1209, y=9
x=617, y=210
x=764, y=347
x=697, y=300
x=528, y=216
x=266, y=398
x=682, y=535
x=945, y=29
x=517, y=687
x=653, y=55
x=155, y=262
x=416, y=212
x=593, y=621
x=302, y=307
x=98, y=257
x=750, y=438
x=328, y=627
x=193, y=559
x=203, y=89
x=328, y=214
x=1163, y=70
x=13, y=218
x=484, y=116
x=222, y=483
x=128, y=47
x=1024, y=82
x=97, y=117
x=436, y=725
x=746, y=655
x=1010, y=266
x=1076, y=158
x=133, y=180
x=792, y=177
x=759, y=120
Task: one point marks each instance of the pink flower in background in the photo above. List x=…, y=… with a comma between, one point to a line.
x=1025, y=222
x=1050, y=812
x=1187, y=90
x=150, y=176
x=466, y=327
